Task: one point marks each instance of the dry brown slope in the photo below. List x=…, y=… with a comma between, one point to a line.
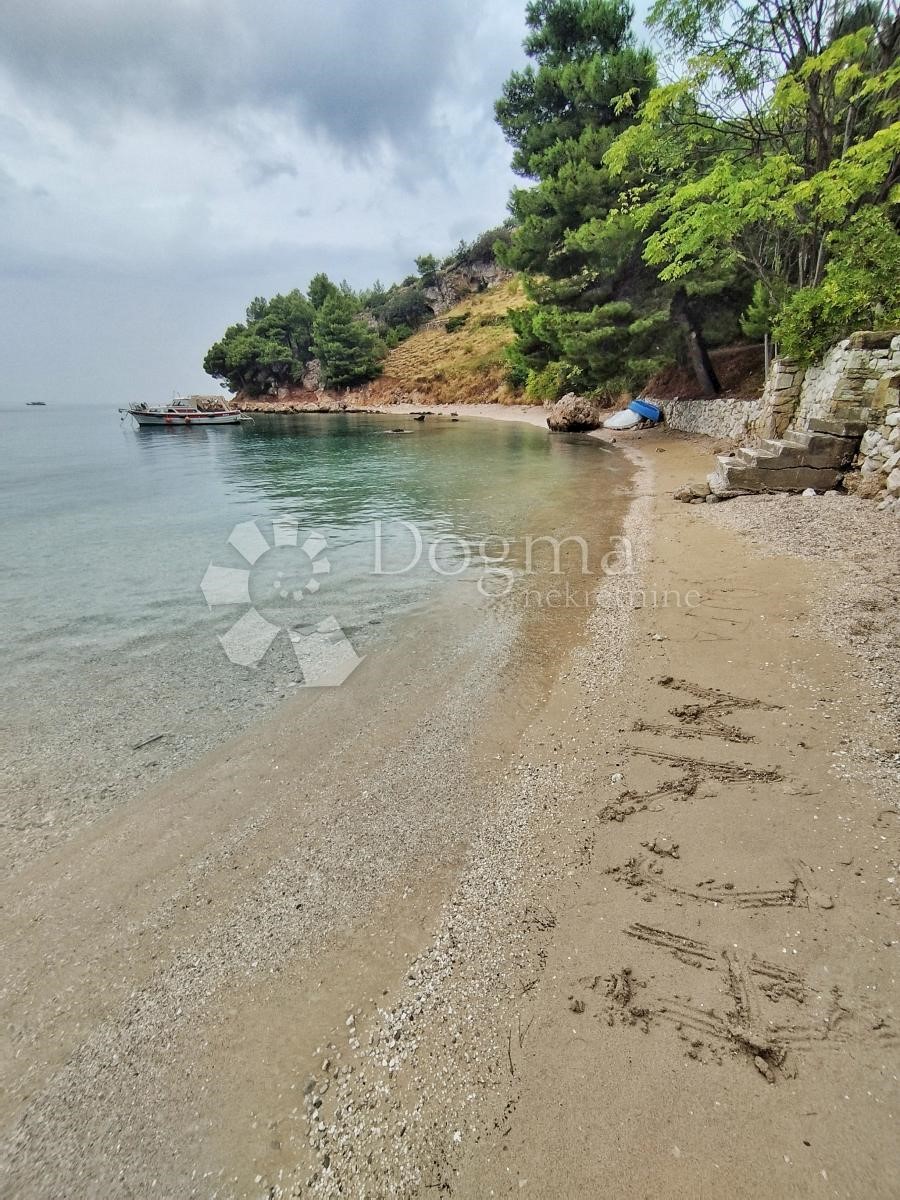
x=462, y=367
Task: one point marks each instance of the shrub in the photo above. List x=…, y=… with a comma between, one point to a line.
x=547, y=385
x=858, y=291
x=490, y=320
x=454, y=324
x=396, y=335
x=405, y=306
x=484, y=248
x=516, y=372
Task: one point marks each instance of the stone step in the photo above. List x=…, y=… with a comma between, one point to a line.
x=773, y=446
x=770, y=456
x=799, y=437
x=849, y=427
x=720, y=486
x=733, y=475
x=799, y=448
x=821, y=449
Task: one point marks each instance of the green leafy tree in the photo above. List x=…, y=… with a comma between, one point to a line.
x=256, y=309
x=216, y=362
x=346, y=347
x=777, y=152
x=427, y=266
x=288, y=320
x=858, y=289
x=247, y=361
x=375, y=297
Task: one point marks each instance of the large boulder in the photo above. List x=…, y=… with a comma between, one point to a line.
x=573, y=414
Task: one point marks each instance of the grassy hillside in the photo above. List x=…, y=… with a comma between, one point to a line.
x=464, y=366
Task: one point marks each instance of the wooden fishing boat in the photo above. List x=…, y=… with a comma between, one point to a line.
x=181, y=412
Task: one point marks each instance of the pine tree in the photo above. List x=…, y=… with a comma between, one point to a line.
x=270, y=351
x=603, y=319
x=345, y=345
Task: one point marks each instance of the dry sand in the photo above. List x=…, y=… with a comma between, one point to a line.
x=620, y=917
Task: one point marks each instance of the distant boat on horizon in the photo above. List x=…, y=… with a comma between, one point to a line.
x=35, y=403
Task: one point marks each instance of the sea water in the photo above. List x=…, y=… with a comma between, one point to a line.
x=129, y=556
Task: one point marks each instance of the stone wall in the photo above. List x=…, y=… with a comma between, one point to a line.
x=779, y=399
x=854, y=382
x=854, y=385
x=879, y=462
x=717, y=417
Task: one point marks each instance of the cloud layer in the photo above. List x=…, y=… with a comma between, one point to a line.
x=218, y=150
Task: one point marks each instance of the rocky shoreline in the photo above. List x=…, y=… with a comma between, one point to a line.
x=382, y=395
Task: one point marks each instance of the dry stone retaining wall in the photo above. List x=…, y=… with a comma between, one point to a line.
x=718, y=417
x=879, y=461
x=854, y=381
x=855, y=384
x=779, y=399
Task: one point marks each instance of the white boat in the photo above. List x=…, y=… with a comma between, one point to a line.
x=182, y=412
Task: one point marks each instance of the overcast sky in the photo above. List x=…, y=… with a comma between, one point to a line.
x=162, y=163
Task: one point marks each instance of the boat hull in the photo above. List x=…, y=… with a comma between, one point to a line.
x=200, y=418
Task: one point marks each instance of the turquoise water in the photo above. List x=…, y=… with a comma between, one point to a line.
x=108, y=530
x=106, y=636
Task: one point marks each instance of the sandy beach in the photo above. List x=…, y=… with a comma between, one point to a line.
x=618, y=917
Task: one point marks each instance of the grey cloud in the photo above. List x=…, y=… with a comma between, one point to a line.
x=351, y=69
x=259, y=172
x=11, y=190
x=162, y=161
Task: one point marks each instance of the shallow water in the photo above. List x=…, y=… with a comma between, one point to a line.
x=107, y=638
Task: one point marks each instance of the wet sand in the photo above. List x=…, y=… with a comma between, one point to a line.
x=599, y=900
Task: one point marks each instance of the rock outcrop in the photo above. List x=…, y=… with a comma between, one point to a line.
x=312, y=377
x=573, y=414
x=297, y=400
x=451, y=286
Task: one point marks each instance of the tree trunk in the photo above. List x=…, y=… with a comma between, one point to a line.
x=698, y=355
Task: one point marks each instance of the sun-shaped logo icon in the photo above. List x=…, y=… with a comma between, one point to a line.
x=280, y=575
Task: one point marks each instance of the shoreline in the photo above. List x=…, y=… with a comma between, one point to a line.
x=461, y=1029
x=324, y=781
x=64, y=773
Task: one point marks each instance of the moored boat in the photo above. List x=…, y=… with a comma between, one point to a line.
x=182, y=412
